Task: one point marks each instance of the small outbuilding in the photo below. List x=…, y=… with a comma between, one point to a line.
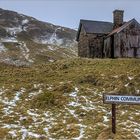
x=99, y=39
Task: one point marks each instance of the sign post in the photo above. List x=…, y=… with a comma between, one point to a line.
x=114, y=118
x=119, y=99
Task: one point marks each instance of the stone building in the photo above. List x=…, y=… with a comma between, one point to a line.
x=99, y=39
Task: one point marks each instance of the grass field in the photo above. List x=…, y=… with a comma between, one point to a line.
x=63, y=99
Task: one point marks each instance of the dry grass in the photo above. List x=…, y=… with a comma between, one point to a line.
x=58, y=80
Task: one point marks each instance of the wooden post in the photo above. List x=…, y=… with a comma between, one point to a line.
x=114, y=118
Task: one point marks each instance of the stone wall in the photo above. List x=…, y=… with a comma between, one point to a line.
x=90, y=45
x=118, y=18
x=83, y=50
x=95, y=46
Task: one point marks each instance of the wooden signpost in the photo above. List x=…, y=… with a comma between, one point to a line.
x=119, y=99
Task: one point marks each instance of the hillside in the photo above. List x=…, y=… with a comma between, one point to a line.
x=25, y=40
x=63, y=100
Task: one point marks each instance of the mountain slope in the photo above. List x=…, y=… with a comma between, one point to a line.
x=25, y=40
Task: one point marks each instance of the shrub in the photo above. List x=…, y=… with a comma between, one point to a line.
x=48, y=99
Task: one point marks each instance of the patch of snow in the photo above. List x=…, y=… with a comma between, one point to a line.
x=74, y=104
x=9, y=39
x=2, y=90
x=54, y=39
x=9, y=126
x=88, y=105
x=51, y=48
x=25, y=51
x=34, y=135
x=14, y=62
x=36, y=92
x=40, y=91
x=50, y=39
x=13, y=133
x=21, y=15
x=137, y=133
x=7, y=110
x=86, y=100
x=51, y=60
x=14, y=30
x=23, y=89
x=22, y=118
x=49, y=88
x=137, y=91
x=25, y=28
x=37, y=85
x=24, y=133
x=32, y=94
x=31, y=113
x=25, y=21
x=74, y=93
x=130, y=78
x=105, y=119
x=2, y=48
x=88, y=108
x=46, y=114
x=126, y=85
x=72, y=112
x=46, y=129
x=81, y=135
x=115, y=76
x=49, y=118
x=76, y=89
x=12, y=102
x=123, y=112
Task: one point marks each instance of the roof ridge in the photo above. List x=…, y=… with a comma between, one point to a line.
x=95, y=21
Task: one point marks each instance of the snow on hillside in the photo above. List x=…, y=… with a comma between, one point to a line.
x=14, y=30
x=9, y=39
x=25, y=21
x=27, y=40
x=52, y=39
x=25, y=51
x=2, y=48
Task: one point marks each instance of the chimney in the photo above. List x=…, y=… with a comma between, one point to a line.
x=118, y=18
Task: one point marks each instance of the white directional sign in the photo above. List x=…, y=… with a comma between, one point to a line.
x=118, y=99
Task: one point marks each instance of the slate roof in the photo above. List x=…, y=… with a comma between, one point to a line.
x=99, y=27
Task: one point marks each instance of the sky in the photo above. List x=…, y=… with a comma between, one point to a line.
x=69, y=12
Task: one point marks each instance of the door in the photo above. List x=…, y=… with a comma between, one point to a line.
x=112, y=46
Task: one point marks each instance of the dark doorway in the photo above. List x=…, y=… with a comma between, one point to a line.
x=135, y=52
x=112, y=46
x=90, y=52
